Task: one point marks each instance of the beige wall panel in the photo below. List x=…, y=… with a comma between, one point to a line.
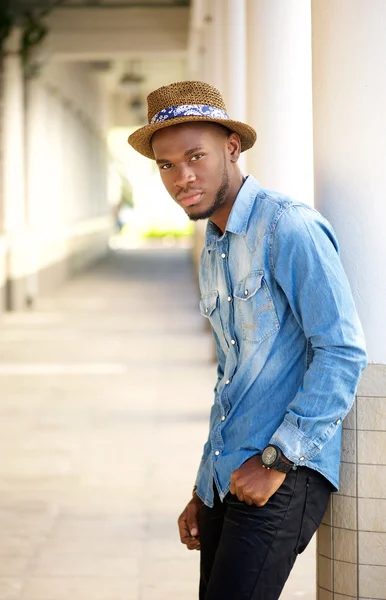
x=345, y=545
x=349, y=445
x=348, y=479
x=325, y=595
x=372, y=548
x=371, y=413
x=372, y=582
x=344, y=512
x=350, y=421
x=345, y=578
x=371, y=514
x=372, y=447
x=372, y=481
x=327, y=518
x=373, y=381
x=325, y=541
x=325, y=573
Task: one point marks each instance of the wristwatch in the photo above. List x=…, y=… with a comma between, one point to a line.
x=272, y=458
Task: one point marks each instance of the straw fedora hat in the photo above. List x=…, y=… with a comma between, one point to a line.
x=183, y=102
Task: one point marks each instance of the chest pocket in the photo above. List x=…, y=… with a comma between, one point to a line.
x=209, y=308
x=255, y=308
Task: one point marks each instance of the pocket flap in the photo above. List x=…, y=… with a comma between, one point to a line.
x=208, y=303
x=249, y=286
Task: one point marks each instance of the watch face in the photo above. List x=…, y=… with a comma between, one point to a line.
x=269, y=455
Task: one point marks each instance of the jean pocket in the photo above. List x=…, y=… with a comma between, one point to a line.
x=317, y=495
x=255, y=308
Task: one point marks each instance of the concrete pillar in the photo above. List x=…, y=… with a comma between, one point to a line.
x=13, y=136
x=196, y=47
x=234, y=52
x=349, y=91
x=217, y=47
x=16, y=264
x=235, y=56
x=280, y=95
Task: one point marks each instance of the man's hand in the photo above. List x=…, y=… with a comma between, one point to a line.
x=253, y=484
x=188, y=524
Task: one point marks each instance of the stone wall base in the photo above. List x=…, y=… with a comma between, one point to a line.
x=351, y=542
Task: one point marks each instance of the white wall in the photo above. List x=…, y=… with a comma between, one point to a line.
x=63, y=211
x=66, y=160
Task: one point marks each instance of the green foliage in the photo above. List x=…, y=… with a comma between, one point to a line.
x=176, y=233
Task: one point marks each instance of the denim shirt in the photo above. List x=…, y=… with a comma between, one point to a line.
x=289, y=343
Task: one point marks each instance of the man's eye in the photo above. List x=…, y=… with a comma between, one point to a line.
x=197, y=157
x=166, y=167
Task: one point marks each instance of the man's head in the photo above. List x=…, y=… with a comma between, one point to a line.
x=198, y=165
x=196, y=145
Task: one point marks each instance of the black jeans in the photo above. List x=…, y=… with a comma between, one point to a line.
x=247, y=552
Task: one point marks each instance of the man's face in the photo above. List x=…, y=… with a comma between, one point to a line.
x=192, y=159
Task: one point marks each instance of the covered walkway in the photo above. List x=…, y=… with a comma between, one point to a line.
x=105, y=391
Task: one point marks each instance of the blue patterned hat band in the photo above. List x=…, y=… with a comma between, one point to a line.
x=185, y=110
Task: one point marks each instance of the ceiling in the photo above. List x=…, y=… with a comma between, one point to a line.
x=43, y=6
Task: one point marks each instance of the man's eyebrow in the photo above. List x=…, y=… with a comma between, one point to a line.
x=187, y=153
x=192, y=150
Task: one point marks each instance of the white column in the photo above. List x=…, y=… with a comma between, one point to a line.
x=280, y=95
x=234, y=53
x=350, y=146
x=217, y=47
x=235, y=58
x=349, y=91
x=13, y=136
x=196, y=41
x=207, y=43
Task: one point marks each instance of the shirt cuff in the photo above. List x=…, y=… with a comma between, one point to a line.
x=294, y=444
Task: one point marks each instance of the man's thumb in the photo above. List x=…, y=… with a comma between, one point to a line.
x=192, y=524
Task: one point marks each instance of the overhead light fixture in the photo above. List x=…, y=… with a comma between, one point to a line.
x=131, y=81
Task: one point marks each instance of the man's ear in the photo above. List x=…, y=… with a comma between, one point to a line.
x=234, y=147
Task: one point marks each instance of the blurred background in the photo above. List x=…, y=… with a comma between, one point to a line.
x=106, y=366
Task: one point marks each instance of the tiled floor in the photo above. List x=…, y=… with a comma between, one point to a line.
x=105, y=391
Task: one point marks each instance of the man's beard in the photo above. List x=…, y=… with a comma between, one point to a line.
x=218, y=201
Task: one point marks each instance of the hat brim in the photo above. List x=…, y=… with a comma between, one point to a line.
x=140, y=140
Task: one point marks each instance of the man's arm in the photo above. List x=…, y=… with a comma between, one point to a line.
x=307, y=267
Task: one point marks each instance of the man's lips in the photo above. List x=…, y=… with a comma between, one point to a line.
x=190, y=200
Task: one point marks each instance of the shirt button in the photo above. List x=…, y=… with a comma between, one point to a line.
x=223, y=255
x=227, y=382
x=229, y=298
x=246, y=292
x=301, y=458
x=233, y=342
x=223, y=418
x=217, y=452
x=338, y=422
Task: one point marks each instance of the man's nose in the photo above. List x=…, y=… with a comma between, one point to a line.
x=184, y=177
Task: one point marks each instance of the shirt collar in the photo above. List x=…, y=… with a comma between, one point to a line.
x=240, y=213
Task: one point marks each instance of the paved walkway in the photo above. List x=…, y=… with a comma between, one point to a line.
x=105, y=392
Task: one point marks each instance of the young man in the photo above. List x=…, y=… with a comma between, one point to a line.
x=289, y=344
